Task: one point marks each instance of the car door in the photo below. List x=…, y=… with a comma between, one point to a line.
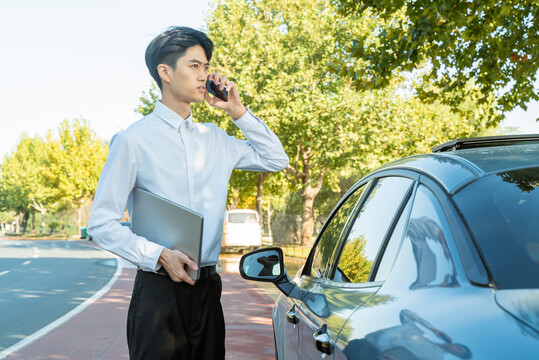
x=345, y=282
x=406, y=319
x=288, y=314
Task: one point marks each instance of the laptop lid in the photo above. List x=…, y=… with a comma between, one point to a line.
x=166, y=223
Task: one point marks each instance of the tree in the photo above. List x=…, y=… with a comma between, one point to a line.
x=148, y=100
x=52, y=173
x=278, y=53
x=5, y=218
x=74, y=162
x=491, y=44
x=353, y=262
x=22, y=186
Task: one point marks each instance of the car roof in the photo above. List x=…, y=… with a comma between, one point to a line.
x=456, y=168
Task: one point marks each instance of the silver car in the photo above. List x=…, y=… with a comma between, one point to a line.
x=434, y=256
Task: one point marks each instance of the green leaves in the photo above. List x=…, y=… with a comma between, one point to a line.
x=491, y=43
x=52, y=173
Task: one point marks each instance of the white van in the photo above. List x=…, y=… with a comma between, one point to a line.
x=241, y=230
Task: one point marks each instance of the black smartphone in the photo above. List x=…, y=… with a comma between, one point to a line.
x=213, y=89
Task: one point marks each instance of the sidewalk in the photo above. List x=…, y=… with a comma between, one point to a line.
x=98, y=332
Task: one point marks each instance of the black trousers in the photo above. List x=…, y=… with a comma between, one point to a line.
x=168, y=320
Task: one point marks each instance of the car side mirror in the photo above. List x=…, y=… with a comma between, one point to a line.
x=263, y=265
x=267, y=264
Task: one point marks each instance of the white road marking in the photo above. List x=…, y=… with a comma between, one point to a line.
x=47, y=329
x=4, y=272
x=35, y=256
x=26, y=262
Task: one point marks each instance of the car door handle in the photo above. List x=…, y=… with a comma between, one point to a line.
x=292, y=316
x=322, y=340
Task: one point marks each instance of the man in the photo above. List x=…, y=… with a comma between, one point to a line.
x=189, y=163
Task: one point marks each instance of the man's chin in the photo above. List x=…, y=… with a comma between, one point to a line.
x=198, y=100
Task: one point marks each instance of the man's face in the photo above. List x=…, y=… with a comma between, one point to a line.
x=188, y=81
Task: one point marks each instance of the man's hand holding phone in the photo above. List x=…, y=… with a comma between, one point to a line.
x=224, y=89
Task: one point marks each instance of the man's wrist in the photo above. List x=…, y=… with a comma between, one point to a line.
x=163, y=257
x=237, y=112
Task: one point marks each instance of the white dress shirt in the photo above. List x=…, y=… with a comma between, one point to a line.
x=185, y=162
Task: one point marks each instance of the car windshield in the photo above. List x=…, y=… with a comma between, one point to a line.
x=242, y=217
x=502, y=211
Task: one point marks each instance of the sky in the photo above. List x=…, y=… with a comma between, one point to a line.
x=67, y=59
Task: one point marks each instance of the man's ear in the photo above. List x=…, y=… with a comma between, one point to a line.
x=164, y=72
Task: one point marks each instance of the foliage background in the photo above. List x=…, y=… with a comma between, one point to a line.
x=346, y=85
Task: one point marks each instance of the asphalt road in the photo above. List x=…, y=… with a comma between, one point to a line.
x=41, y=281
x=43, y=284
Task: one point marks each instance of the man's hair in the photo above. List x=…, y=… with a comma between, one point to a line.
x=172, y=44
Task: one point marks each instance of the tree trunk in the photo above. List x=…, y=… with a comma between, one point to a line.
x=43, y=227
x=24, y=225
x=307, y=219
x=308, y=195
x=43, y=210
x=259, y=192
x=269, y=223
x=17, y=223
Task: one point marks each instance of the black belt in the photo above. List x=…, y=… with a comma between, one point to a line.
x=204, y=272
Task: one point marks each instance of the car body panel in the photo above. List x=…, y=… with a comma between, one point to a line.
x=328, y=305
x=452, y=173
x=522, y=304
x=286, y=334
x=466, y=324
x=401, y=320
x=288, y=339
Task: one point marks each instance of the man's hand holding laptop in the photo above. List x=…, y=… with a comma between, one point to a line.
x=174, y=262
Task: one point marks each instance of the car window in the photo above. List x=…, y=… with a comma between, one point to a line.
x=332, y=233
x=370, y=228
x=426, y=242
x=392, y=248
x=239, y=217
x=501, y=211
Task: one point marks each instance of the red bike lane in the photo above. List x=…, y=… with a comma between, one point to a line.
x=98, y=332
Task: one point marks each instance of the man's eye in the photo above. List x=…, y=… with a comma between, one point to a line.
x=195, y=66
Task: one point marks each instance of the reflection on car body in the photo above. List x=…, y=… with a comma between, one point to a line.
x=414, y=338
x=433, y=256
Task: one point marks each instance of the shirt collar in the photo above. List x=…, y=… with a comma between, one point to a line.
x=170, y=117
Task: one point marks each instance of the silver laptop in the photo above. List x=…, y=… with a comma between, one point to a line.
x=169, y=224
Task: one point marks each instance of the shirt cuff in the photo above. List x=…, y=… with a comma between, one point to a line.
x=248, y=120
x=151, y=257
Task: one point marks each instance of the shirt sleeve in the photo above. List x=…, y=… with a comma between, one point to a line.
x=117, y=179
x=263, y=150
